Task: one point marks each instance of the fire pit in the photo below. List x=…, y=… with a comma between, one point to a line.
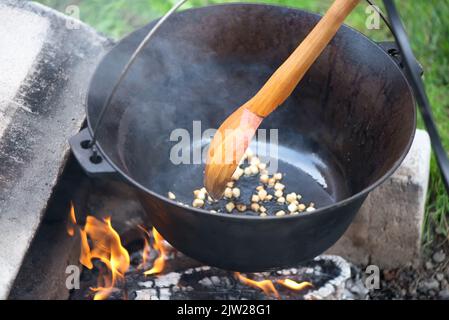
x=329, y=273
x=159, y=272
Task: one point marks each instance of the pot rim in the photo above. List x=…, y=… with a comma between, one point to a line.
x=303, y=215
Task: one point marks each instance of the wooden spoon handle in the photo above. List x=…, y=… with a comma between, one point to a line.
x=282, y=83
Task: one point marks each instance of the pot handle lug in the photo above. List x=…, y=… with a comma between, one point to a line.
x=393, y=51
x=92, y=162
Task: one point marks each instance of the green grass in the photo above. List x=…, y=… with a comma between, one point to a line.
x=426, y=21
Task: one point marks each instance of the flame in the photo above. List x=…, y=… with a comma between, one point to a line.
x=85, y=255
x=72, y=221
x=266, y=286
x=159, y=263
x=146, y=248
x=107, y=247
x=293, y=285
x=105, y=286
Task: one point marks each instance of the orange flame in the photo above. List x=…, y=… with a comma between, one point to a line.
x=85, y=255
x=107, y=247
x=146, y=248
x=72, y=221
x=159, y=263
x=293, y=285
x=266, y=286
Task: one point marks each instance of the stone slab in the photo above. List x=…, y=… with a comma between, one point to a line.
x=388, y=228
x=44, y=271
x=45, y=66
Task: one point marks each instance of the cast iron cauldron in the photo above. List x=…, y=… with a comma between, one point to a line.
x=344, y=130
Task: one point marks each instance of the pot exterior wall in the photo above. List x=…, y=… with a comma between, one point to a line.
x=248, y=245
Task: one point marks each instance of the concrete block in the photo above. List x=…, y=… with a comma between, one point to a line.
x=45, y=65
x=387, y=230
x=43, y=272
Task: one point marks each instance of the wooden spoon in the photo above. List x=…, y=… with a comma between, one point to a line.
x=236, y=132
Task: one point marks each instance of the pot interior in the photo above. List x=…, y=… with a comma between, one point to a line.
x=346, y=125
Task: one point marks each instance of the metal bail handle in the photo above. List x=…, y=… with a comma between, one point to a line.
x=125, y=70
x=413, y=75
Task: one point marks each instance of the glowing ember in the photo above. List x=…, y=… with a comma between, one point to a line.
x=293, y=285
x=266, y=286
x=159, y=263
